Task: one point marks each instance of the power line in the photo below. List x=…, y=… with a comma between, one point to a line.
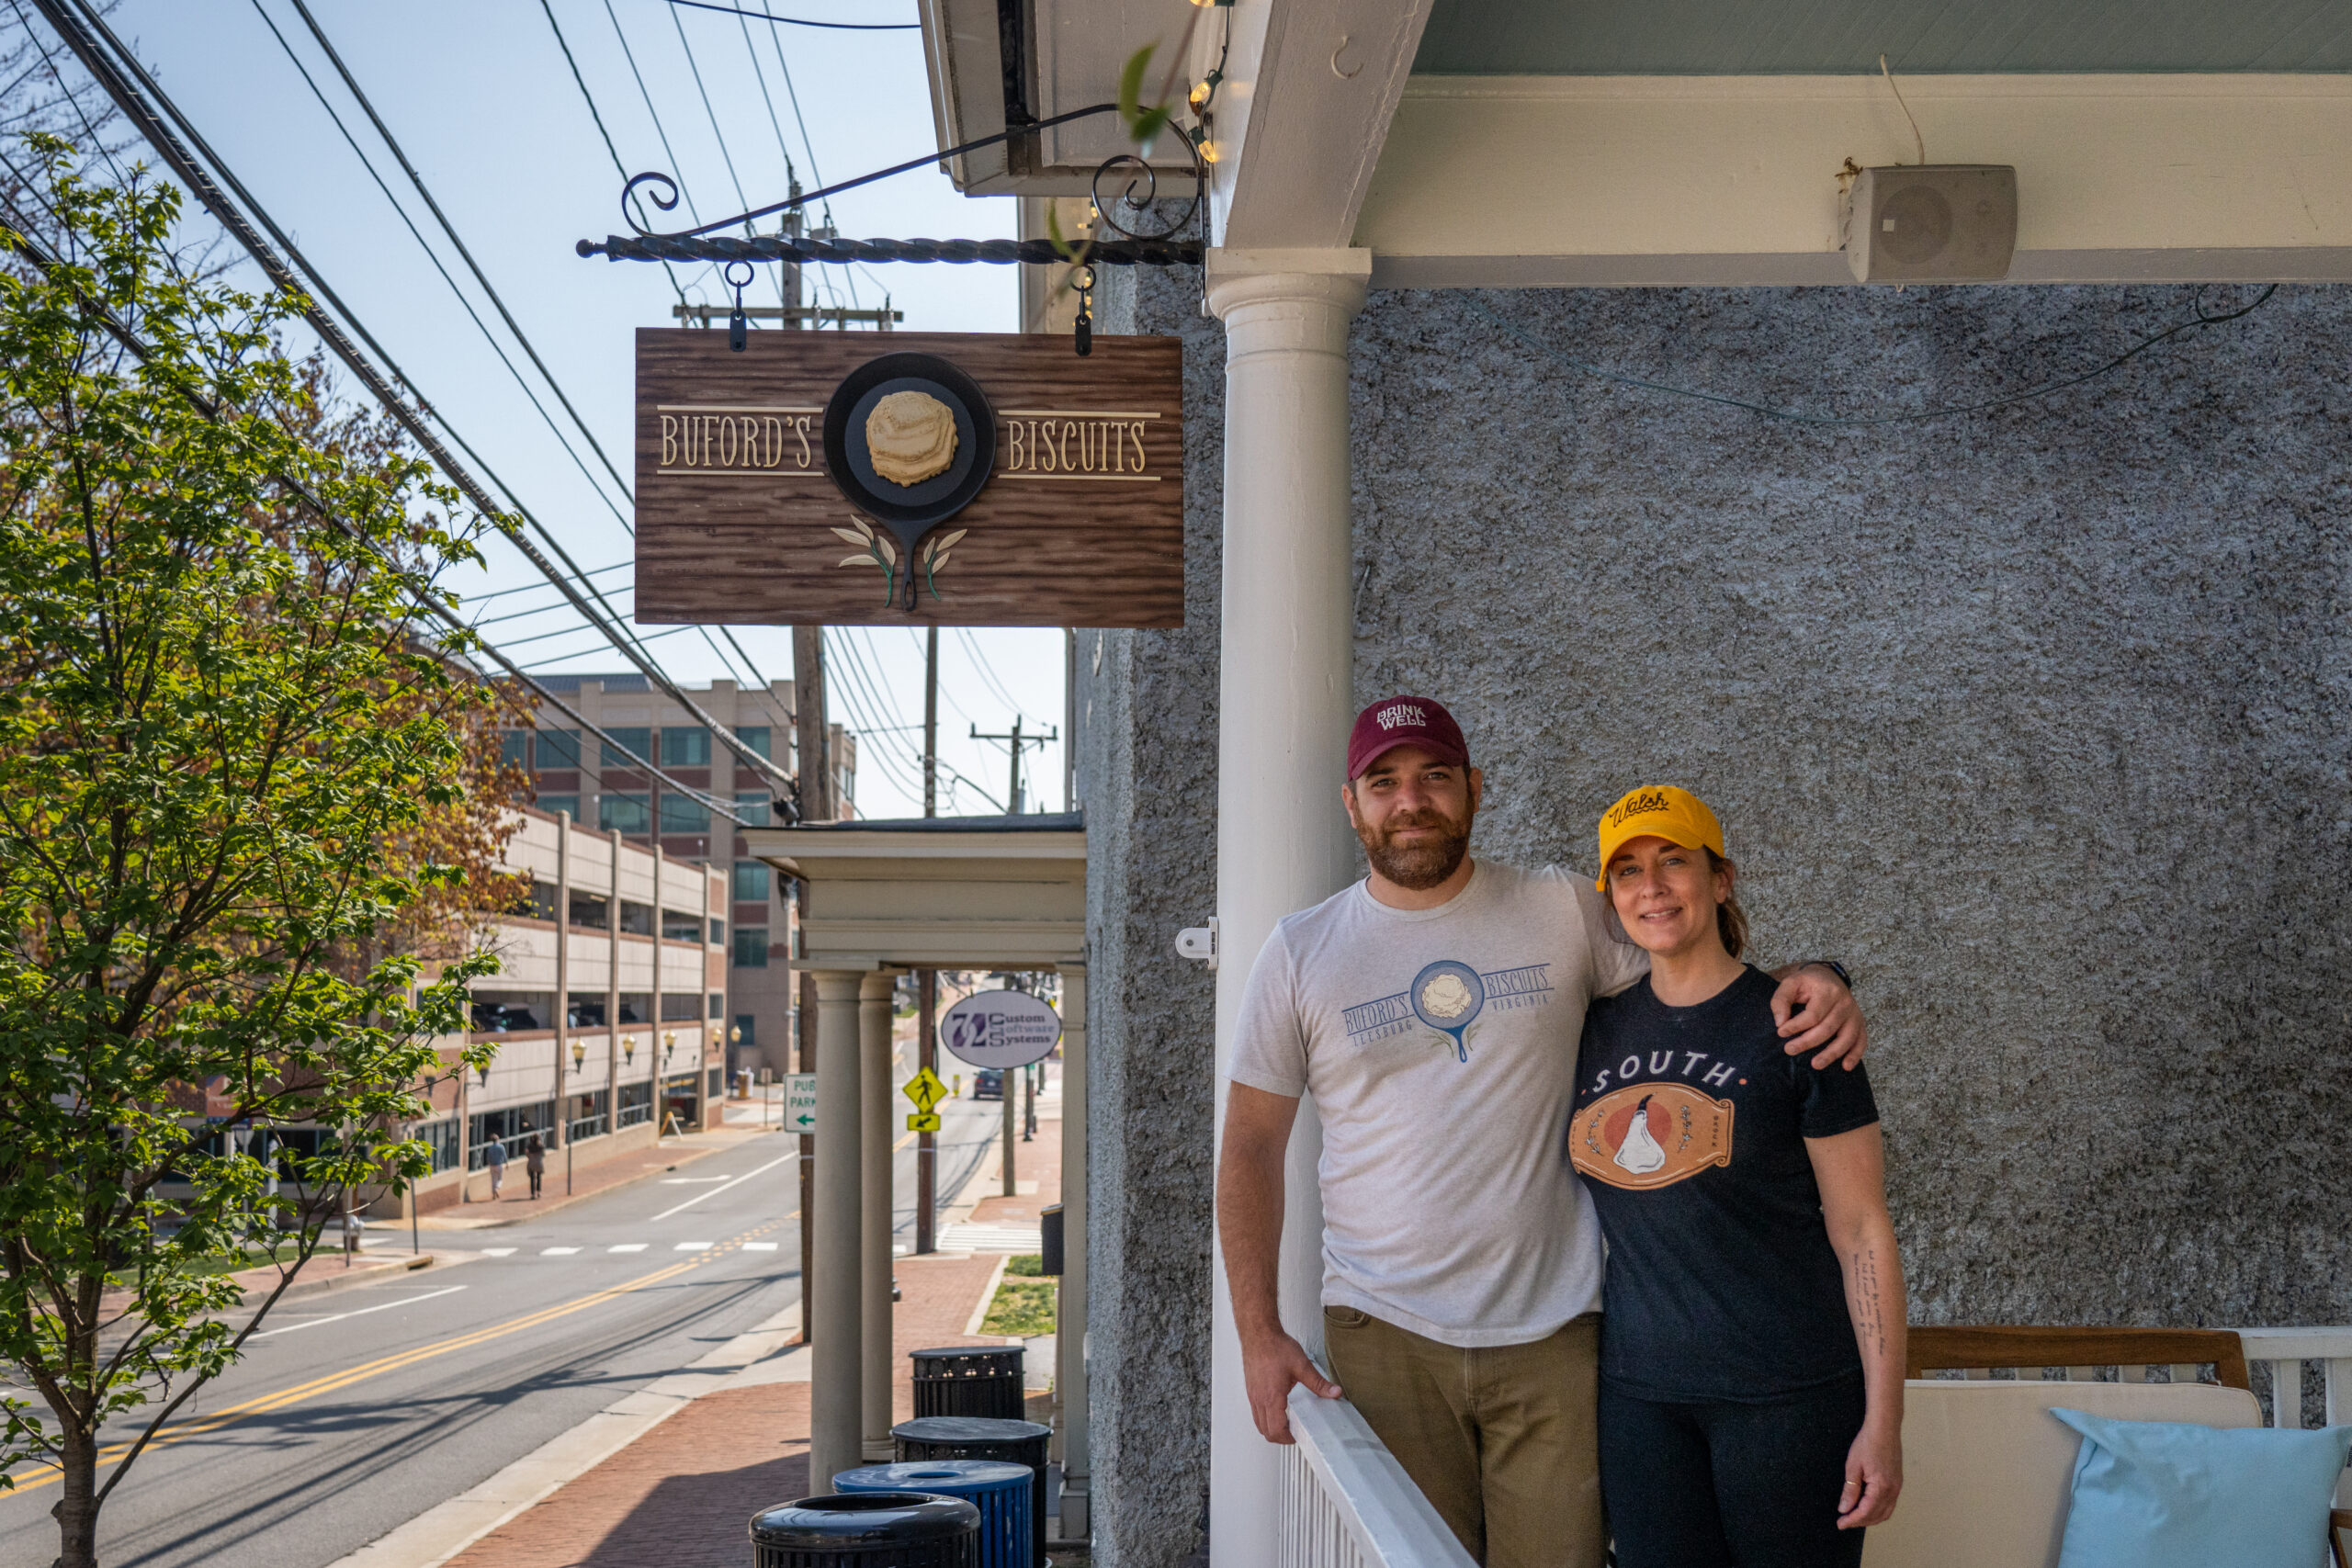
x=803, y=21
x=541, y=587
x=302, y=9
x=987, y=671
x=421, y=593
x=793, y=95
x=449, y=228
x=117, y=80
x=589, y=99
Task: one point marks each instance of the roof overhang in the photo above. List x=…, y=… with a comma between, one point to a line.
x=944, y=893
x=2203, y=170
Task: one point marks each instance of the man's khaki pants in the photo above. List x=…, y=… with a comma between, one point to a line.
x=1503, y=1439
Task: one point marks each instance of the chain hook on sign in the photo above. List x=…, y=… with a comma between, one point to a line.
x=738, y=326
x=1083, y=279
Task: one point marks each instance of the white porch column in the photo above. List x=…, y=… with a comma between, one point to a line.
x=1069, y=1328
x=836, y=1396
x=873, y=993
x=1286, y=694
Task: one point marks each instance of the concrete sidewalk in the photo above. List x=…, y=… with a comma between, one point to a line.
x=674, y=1473
x=515, y=1203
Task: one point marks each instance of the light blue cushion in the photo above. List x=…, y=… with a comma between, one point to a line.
x=2168, y=1494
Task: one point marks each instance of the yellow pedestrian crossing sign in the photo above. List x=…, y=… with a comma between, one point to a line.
x=923, y=1122
x=926, y=1089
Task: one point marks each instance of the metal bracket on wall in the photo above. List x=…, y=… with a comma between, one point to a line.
x=1199, y=944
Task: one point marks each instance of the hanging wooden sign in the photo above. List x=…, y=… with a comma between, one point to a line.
x=909, y=478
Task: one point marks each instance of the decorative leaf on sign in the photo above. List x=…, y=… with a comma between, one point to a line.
x=877, y=549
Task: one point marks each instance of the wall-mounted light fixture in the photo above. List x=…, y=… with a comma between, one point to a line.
x=669, y=1044
x=485, y=1072
x=578, y=1053
x=628, y=1048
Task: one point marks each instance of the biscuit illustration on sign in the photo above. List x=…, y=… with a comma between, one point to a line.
x=909, y=438
x=1651, y=1134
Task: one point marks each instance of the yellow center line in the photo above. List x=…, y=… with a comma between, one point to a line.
x=261, y=1403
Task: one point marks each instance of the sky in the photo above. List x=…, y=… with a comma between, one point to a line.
x=481, y=98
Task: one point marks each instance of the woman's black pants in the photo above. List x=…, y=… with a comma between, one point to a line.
x=1730, y=1485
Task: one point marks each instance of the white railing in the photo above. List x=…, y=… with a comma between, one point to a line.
x=1346, y=1503
x=2284, y=1352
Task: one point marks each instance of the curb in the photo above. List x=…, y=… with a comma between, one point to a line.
x=343, y=1280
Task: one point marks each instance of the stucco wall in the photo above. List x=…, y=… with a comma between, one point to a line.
x=1147, y=709
x=2035, y=717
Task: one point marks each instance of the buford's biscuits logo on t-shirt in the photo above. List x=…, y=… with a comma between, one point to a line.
x=1651, y=1134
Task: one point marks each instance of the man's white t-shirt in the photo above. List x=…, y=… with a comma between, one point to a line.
x=1440, y=1048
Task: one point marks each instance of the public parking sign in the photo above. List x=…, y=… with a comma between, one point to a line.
x=799, y=1102
x=1001, y=1028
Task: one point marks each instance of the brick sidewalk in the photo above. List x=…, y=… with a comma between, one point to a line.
x=682, y=1494
x=516, y=1202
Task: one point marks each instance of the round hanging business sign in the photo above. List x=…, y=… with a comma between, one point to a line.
x=1001, y=1028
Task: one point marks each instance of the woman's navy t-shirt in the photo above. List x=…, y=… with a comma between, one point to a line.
x=1689, y=1130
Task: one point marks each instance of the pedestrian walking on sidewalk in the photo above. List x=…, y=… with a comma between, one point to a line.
x=535, y=1160
x=495, y=1157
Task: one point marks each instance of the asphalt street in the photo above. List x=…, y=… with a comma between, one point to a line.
x=356, y=1410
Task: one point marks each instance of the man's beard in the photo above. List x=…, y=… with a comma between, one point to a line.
x=1420, y=866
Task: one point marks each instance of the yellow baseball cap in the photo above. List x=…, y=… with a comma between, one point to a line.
x=1659, y=811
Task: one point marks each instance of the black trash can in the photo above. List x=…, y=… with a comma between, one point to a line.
x=969, y=1380
x=867, y=1529
x=972, y=1437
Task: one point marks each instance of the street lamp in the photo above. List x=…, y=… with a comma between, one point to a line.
x=628, y=1049
x=578, y=1053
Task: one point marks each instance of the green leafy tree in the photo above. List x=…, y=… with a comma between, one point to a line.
x=229, y=767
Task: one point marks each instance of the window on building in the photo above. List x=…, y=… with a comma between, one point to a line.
x=679, y=926
x=717, y=1007
x=684, y=814
x=543, y=900
x=551, y=804
x=685, y=746
x=637, y=1007
x=587, y=1116
x=515, y=748
x=509, y=1126
x=559, y=748
x=751, y=947
x=636, y=919
x=718, y=933
x=640, y=741
x=587, y=1010
x=717, y=1084
x=676, y=1008
x=626, y=813
x=747, y=1028
x=751, y=881
x=755, y=807
x=755, y=736
x=589, y=911
x=637, y=1103
x=441, y=1137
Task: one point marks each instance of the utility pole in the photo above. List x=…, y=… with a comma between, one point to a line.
x=813, y=777
x=1016, y=741
x=927, y=980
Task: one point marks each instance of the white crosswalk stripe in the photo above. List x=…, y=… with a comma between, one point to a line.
x=992, y=1238
x=557, y=1251
x=498, y=1252
x=627, y=1247
x=759, y=1247
x=694, y=1247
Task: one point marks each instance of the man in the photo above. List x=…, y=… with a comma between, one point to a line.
x=1433, y=1010
x=495, y=1157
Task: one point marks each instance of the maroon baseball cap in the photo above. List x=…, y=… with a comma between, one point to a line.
x=1404, y=721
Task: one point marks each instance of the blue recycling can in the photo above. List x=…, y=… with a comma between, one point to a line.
x=998, y=1489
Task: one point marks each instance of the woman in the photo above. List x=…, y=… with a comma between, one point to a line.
x=535, y=1160
x=1751, y=1350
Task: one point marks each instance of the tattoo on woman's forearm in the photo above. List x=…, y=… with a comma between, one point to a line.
x=1869, y=1316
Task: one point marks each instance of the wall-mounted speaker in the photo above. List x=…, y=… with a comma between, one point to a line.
x=1931, y=223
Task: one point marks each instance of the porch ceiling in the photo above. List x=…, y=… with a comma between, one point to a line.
x=1738, y=37
x=948, y=893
